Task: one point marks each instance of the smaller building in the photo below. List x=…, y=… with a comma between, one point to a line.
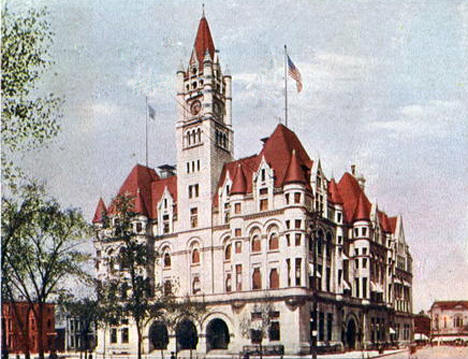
x=20, y=331
x=449, y=321
x=79, y=335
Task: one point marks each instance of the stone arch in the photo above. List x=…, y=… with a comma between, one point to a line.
x=272, y=222
x=252, y=227
x=351, y=331
x=158, y=336
x=217, y=334
x=186, y=335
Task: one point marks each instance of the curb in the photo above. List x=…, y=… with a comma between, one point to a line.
x=388, y=354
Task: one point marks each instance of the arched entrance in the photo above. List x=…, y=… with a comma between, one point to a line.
x=351, y=334
x=186, y=335
x=158, y=336
x=217, y=334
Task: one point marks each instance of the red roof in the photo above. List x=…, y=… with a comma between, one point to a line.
x=101, y=211
x=384, y=222
x=392, y=223
x=334, y=195
x=157, y=190
x=140, y=205
x=294, y=173
x=363, y=208
x=203, y=41
x=450, y=304
x=239, y=183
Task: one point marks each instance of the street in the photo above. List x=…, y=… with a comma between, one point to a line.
x=451, y=352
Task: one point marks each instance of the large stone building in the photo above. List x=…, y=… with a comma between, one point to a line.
x=449, y=321
x=238, y=232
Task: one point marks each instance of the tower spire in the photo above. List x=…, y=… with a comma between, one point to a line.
x=203, y=9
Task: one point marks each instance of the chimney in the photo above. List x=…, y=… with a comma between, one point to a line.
x=166, y=171
x=353, y=170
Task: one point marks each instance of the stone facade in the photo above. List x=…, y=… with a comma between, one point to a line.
x=449, y=321
x=243, y=232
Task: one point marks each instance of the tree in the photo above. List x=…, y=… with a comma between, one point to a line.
x=41, y=249
x=257, y=326
x=29, y=118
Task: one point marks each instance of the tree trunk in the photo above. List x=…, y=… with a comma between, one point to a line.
x=162, y=353
x=40, y=330
x=139, y=341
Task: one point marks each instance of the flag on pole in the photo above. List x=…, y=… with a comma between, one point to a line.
x=151, y=113
x=293, y=71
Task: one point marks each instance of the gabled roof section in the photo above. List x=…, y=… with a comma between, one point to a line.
x=450, y=304
x=383, y=218
x=101, y=211
x=239, y=183
x=334, y=195
x=139, y=205
x=203, y=41
x=352, y=194
x=157, y=190
x=294, y=172
x=393, y=223
x=277, y=151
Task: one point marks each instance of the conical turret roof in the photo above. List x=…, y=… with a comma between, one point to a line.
x=101, y=211
x=334, y=195
x=239, y=183
x=203, y=41
x=362, y=211
x=294, y=173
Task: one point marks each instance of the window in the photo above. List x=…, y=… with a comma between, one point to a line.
x=167, y=260
x=124, y=335
x=273, y=242
x=328, y=271
x=256, y=244
x=227, y=252
x=297, y=223
x=288, y=266
x=340, y=275
x=198, y=165
x=256, y=279
x=288, y=224
x=196, y=285
x=113, y=336
x=238, y=247
x=262, y=175
x=356, y=285
x=274, y=331
x=195, y=256
x=263, y=191
x=329, y=326
x=188, y=167
x=286, y=196
x=298, y=271
x=364, y=251
x=356, y=263
x=364, y=263
x=288, y=241
x=321, y=327
x=237, y=232
x=193, y=217
x=239, y=277
x=139, y=227
x=364, y=231
x=297, y=197
x=237, y=208
x=228, y=283
x=364, y=287
x=298, y=239
x=226, y=212
x=338, y=217
x=167, y=287
x=263, y=204
x=193, y=191
x=340, y=239
x=274, y=279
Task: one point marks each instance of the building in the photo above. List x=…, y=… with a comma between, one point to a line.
x=422, y=327
x=449, y=321
x=237, y=232
x=20, y=330
x=79, y=335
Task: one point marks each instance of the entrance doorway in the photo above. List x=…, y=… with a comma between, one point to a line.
x=217, y=335
x=351, y=334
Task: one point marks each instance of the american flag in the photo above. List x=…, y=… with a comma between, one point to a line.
x=295, y=74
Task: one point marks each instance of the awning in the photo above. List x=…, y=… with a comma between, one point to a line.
x=420, y=336
x=376, y=287
x=346, y=285
x=408, y=284
x=311, y=271
x=451, y=338
x=392, y=331
x=396, y=280
x=344, y=256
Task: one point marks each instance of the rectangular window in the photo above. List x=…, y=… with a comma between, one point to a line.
x=262, y=175
x=298, y=271
x=297, y=223
x=238, y=247
x=298, y=239
x=340, y=239
x=274, y=331
x=319, y=281
x=263, y=204
x=256, y=279
x=328, y=278
x=356, y=263
x=364, y=262
x=288, y=241
x=288, y=266
x=297, y=197
x=263, y=191
x=356, y=232
x=364, y=287
x=237, y=208
x=329, y=326
x=288, y=224
x=188, y=167
x=237, y=232
x=356, y=285
x=113, y=336
x=286, y=196
x=340, y=275
x=193, y=217
x=364, y=231
x=338, y=217
x=193, y=191
x=321, y=327
x=125, y=335
x=198, y=165
x=239, y=277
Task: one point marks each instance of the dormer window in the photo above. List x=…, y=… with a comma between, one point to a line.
x=194, y=71
x=262, y=175
x=297, y=197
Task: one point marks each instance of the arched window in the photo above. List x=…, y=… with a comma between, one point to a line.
x=256, y=244
x=188, y=138
x=167, y=287
x=273, y=241
x=194, y=140
x=195, y=256
x=194, y=84
x=196, y=285
x=256, y=279
x=227, y=252
x=228, y=282
x=167, y=260
x=319, y=242
x=274, y=279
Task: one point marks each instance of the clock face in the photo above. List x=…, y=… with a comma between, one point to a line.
x=195, y=107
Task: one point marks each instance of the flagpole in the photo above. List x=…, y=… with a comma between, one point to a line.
x=285, y=86
x=146, y=132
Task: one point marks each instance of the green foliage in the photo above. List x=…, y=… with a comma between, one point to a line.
x=40, y=245
x=29, y=119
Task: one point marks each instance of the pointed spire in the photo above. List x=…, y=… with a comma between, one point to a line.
x=294, y=173
x=140, y=207
x=239, y=183
x=203, y=41
x=334, y=195
x=362, y=211
x=101, y=211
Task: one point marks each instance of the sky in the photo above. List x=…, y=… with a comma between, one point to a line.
x=385, y=88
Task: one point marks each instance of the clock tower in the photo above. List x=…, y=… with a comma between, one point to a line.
x=204, y=133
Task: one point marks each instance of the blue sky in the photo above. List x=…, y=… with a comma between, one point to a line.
x=385, y=87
